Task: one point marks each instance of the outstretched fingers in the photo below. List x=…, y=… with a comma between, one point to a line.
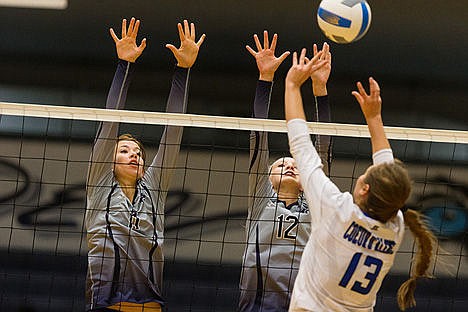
x=284, y=56
x=124, y=27
x=371, y=102
x=186, y=54
x=201, y=40
x=359, y=95
x=181, y=32
x=130, y=31
x=257, y=43
x=266, y=42
x=134, y=32
x=251, y=51
x=273, y=42
x=192, y=31
x=130, y=27
x=326, y=51
x=186, y=29
x=302, y=57
x=374, y=87
x=361, y=89
x=113, y=35
x=317, y=57
x=126, y=47
x=294, y=59
x=142, y=45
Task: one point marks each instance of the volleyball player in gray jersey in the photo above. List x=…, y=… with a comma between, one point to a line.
x=125, y=203
x=278, y=222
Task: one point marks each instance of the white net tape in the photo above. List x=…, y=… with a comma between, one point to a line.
x=221, y=122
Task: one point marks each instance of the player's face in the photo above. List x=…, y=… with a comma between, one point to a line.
x=284, y=173
x=128, y=164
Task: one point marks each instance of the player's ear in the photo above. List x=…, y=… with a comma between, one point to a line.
x=364, y=190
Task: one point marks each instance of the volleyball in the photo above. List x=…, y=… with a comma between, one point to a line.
x=344, y=21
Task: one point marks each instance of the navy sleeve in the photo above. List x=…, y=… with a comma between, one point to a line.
x=160, y=172
x=120, y=84
x=259, y=183
x=323, y=143
x=102, y=156
x=178, y=96
x=262, y=99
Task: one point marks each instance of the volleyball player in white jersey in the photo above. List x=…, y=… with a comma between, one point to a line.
x=278, y=225
x=125, y=203
x=354, y=238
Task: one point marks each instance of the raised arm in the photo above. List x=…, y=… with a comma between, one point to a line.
x=323, y=143
x=267, y=64
x=371, y=106
x=163, y=164
x=318, y=188
x=128, y=52
x=299, y=72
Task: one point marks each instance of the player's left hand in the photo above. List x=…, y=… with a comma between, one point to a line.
x=302, y=68
x=321, y=75
x=371, y=104
x=126, y=47
x=267, y=62
x=187, y=53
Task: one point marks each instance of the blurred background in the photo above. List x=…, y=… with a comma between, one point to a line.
x=64, y=55
x=415, y=49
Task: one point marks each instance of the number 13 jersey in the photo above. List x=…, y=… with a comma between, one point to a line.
x=348, y=253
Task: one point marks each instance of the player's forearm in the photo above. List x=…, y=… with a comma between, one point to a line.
x=307, y=159
x=121, y=82
x=102, y=153
x=268, y=77
x=319, y=89
x=169, y=144
x=262, y=99
x=259, y=153
x=293, y=106
x=323, y=143
x=176, y=103
x=377, y=132
x=178, y=96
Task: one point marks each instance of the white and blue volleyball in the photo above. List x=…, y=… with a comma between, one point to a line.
x=344, y=21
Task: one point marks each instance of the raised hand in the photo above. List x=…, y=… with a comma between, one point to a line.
x=267, y=62
x=320, y=75
x=302, y=68
x=187, y=53
x=126, y=47
x=371, y=104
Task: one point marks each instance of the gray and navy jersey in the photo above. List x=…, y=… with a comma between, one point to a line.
x=276, y=234
x=125, y=239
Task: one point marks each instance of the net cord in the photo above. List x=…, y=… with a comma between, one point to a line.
x=222, y=122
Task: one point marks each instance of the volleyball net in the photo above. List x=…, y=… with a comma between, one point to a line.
x=44, y=156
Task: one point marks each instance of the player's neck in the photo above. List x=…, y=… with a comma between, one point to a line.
x=128, y=188
x=289, y=197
